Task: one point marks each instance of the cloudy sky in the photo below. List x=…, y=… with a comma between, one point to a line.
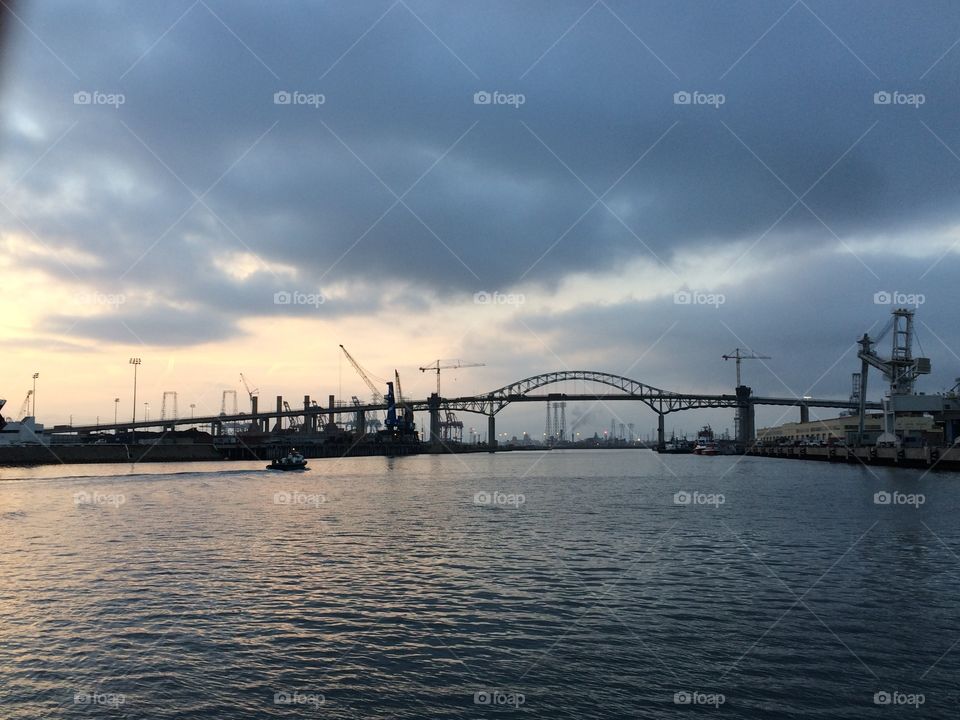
x=227, y=186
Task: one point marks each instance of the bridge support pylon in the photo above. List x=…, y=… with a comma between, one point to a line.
x=746, y=424
x=661, y=439
x=491, y=433
x=804, y=414
x=433, y=407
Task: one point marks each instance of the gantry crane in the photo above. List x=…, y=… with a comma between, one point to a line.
x=438, y=365
x=738, y=356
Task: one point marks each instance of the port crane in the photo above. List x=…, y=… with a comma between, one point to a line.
x=738, y=356
x=294, y=421
x=901, y=371
x=26, y=405
x=406, y=417
x=438, y=365
x=365, y=376
x=391, y=421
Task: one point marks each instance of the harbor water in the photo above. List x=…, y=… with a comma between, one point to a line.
x=564, y=584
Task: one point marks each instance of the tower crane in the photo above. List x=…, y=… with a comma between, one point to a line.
x=738, y=356
x=438, y=365
x=250, y=393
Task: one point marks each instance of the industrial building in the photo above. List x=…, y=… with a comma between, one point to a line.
x=910, y=430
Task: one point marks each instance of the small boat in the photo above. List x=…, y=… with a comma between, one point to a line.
x=293, y=461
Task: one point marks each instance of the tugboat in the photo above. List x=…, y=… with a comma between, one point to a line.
x=293, y=461
x=705, y=442
x=677, y=446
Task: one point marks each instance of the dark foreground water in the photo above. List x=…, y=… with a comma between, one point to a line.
x=555, y=585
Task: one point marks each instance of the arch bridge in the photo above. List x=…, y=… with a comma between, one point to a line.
x=662, y=402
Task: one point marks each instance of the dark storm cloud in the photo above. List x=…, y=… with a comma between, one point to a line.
x=199, y=162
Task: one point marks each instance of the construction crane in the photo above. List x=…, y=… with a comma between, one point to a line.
x=26, y=405
x=250, y=393
x=406, y=410
x=377, y=395
x=738, y=356
x=294, y=420
x=438, y=365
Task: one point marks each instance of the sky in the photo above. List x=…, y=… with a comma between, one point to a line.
x=631, y=187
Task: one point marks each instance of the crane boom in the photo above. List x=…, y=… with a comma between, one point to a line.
x=26, y=405
x=738, y=356
x=377, y=395
x=438, y=365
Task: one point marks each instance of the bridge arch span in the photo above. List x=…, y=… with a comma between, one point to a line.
x=660, y=401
